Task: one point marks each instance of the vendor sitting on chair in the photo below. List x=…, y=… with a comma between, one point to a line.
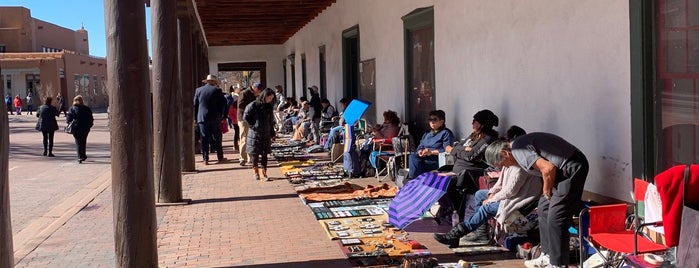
x=515, y=189
x=469, y=164
x=433, y=142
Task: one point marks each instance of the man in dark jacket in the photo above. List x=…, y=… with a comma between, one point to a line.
x=318, y=109
x=209, y=107
x=246, y=97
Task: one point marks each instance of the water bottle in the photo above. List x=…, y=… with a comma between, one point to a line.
x=454, y=218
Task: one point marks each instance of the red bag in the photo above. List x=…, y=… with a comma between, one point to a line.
x=224, y=126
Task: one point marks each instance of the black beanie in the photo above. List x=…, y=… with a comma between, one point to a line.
x=486, y=118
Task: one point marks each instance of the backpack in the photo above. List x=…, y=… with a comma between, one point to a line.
x=351, y=163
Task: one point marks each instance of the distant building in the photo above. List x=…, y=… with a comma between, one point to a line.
x=44, y=58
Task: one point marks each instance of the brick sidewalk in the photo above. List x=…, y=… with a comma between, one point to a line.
x=233, y=220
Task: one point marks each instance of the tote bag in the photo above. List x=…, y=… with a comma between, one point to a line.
x=689, y=233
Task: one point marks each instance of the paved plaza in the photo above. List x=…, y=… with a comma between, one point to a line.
x=62, y=212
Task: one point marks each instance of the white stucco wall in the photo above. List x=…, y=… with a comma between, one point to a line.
x=273, y=55
x=559, y=66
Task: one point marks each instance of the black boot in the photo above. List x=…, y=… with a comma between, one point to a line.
x=479, y=235
x=452, y=237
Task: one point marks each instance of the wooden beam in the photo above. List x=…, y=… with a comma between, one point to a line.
x=187, y=90
x=7, y=258
x=167, y=99
x=131, y=135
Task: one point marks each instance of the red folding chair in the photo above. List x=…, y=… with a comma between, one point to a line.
x=608, y=230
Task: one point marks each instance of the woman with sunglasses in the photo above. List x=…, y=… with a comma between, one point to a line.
x=433, y=142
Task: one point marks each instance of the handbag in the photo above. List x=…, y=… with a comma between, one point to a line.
x=69, y=128
x=689, y=232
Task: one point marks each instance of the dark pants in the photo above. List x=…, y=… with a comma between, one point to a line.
x=236, y=134
x=48, y=140
x=259, y=160
x=211, y=136
x=81, y=143
x=556, y=214
x=419, y=165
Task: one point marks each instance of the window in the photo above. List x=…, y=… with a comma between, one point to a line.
x=95, y=84
x=677, y=86
x=33, y=82
x=8, y=85
x=2, y=48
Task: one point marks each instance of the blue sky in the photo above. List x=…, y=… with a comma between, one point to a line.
x=71, y=14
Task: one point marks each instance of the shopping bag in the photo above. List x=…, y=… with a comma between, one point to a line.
x=224, y=126
x=689, y=232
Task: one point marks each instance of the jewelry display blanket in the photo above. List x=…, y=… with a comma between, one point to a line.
x=380, y=246
x=321, y=212
x=357, y=227
x=348, y=191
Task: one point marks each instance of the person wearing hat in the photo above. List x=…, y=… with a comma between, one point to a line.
x=245, y=97
x=209, y=109
x=469, y=164
x=317, y=113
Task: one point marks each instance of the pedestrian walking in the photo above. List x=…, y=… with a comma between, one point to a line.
x=30, y=103
x=246, y=97
x=47, y=124
x=209, y=109
x=80, y=116
x=259, y=115
x=233, y=117
x=62, y=104
x=8, y=103
x=18, y=105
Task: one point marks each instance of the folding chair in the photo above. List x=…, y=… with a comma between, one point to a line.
x=385, y=149
x=608, y=229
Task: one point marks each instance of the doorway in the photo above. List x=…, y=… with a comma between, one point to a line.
x=242, y=74
x=419, y=75
x=350, y=62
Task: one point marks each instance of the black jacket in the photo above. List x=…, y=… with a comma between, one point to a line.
x=260, y=117
x=82, y=115
x=47, y=118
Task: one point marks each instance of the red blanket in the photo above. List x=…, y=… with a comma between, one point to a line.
x=671, y=188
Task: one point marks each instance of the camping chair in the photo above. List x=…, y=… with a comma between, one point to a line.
x=385, y=149
x=608, y=229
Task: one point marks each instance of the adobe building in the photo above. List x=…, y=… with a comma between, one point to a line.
x=45, y=59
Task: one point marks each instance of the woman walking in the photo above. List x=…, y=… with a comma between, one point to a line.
x=47, y=124
x=259, y=115
x=81, y=117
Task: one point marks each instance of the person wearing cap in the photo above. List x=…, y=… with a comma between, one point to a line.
x=434, y=141
x=317, y=113
x=245, y=97
x=209, y=109
x=280, y=103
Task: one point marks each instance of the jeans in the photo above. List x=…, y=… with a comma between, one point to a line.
x=338, y=130
x=211, y=136
x=48, y=141
x=483, y=212
x=259, y=160
x=81, y=143
x=419, y=165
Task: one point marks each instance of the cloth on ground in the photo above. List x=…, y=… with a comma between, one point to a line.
x=348, y=191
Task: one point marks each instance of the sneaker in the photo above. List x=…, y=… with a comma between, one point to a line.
x=242, y=162
x=540, y=262
x=556, y=266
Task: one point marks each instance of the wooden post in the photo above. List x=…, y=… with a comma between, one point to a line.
x=187, y=91
x=7, y=258
x=166, y=103
x=131, y=135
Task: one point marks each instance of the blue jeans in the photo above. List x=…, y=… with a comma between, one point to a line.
x=211, y=135
x=483, y=212
x=333, y=131
x=419, y=165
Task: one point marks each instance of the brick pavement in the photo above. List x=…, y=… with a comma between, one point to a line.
x=232, y=220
